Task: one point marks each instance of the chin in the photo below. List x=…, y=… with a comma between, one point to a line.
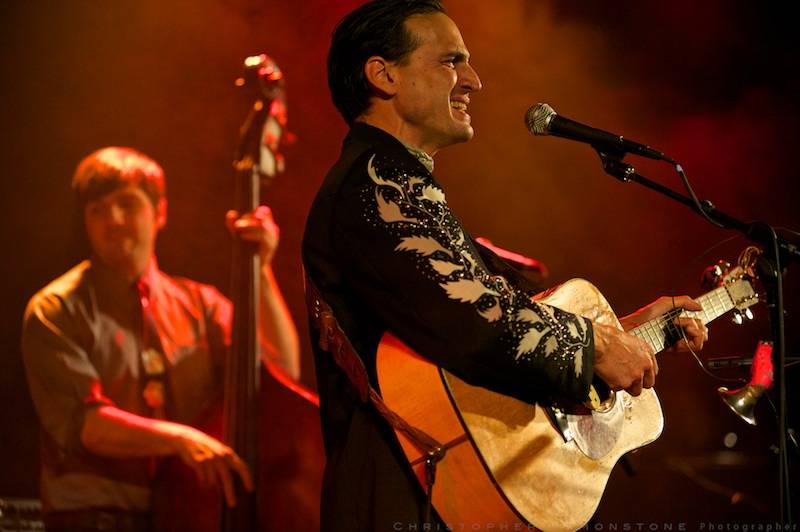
x=455, y=135
x=465, y=134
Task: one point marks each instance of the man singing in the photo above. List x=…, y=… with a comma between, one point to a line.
x=387, y=254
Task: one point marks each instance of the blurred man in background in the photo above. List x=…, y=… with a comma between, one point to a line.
x=122, y=358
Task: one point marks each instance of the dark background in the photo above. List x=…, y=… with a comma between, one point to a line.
x=713, y=84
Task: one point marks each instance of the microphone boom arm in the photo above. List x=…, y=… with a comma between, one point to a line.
x=780, y=252
x=614, y=166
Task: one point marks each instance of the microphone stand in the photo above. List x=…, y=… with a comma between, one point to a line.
x=736, y=362
x=778, y=251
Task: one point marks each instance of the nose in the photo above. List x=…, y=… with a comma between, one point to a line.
x=470, y=79
x=116, y=214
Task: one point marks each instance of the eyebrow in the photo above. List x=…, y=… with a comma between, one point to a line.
x=458, y=55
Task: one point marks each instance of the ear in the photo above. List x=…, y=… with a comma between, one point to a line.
x=381, y=75
x=161, y=213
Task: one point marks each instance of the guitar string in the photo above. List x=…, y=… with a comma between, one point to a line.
x=694, y=354
x=667, y=322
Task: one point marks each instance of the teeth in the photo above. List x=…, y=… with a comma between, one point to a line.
x=461, y=106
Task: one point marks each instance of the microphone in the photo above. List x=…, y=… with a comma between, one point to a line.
x=541, y=119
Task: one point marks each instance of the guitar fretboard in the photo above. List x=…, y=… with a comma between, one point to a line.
x=662, y=332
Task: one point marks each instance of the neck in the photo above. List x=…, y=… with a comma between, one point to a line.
x=130, y=271
x=424, y=159
x=399, y=129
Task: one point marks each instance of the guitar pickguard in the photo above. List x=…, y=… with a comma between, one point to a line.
x=595, y=433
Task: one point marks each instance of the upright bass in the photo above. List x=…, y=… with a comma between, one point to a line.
x=256, y=158
x=263, y=413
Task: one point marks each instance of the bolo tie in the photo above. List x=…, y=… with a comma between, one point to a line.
x=153, y=361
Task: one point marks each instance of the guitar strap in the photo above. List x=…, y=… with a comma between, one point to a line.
x=333, y=340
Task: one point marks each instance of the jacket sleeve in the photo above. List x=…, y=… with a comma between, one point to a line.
x=409, y=261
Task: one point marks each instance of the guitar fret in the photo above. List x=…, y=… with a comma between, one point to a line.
x=661, y=338
x=721, y=302
x=728, y=302
x=707, y=314
x=725, y=300
x=655, y=332
x=715, y=304
x=656, y=337
x=644, y=332
x=648, y=335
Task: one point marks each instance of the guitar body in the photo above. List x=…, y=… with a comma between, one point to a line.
x=512, y=464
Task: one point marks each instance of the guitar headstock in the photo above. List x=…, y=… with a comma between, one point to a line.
x=738, y=283
x=264, y=130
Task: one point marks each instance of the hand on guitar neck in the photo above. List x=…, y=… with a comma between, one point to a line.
x=626, y=362
x=695, y=330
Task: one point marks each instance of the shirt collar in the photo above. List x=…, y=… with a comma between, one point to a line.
x=375, y=135
x=425, y=159
x=111, y=282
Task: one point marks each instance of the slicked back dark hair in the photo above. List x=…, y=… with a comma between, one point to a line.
x=376, y=28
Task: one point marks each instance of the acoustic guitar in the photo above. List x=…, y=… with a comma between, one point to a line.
x=514, y=464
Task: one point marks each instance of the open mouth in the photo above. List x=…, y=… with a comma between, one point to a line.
x=458, y=106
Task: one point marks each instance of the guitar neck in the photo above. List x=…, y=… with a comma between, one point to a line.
x=662, y=332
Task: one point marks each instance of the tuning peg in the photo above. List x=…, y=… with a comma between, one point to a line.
x=748, y=314
x=737, y=317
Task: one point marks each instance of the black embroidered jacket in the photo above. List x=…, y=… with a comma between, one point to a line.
x=386, y=253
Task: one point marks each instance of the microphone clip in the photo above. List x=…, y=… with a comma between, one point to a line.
x=613, y=164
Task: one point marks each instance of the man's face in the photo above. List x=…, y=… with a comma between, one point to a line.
x=434, y=84
x=122, y=228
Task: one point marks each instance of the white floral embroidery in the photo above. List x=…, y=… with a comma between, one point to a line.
x=421, y=244
x=378, y=181
x=466, y=290
x=492, y=314
x=417, y=210
x=432, y=194
x=390, y=211
x=443, y=267
x=530, y=341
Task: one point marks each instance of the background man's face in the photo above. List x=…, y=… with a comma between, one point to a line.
x=122, y=228
x=435, y=83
